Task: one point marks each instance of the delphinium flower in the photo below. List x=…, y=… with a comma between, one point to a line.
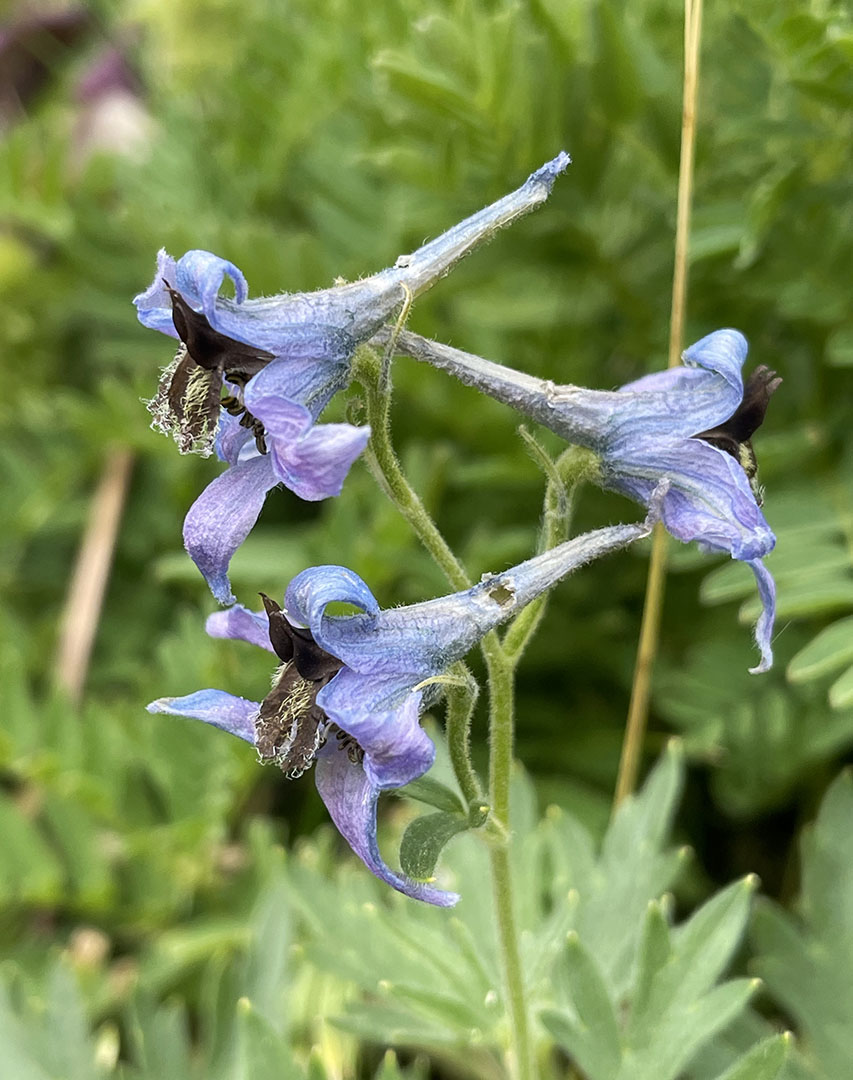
x=350, y=689
x=691, y=424
x=279, y=360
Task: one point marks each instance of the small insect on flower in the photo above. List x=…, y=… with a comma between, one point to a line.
x=189, y=396
x=733, y=437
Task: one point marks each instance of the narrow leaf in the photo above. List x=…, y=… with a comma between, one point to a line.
x=433, y=793
x=831, y=649
x=763, y=1062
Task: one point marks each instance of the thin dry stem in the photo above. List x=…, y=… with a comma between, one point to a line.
x=638, y=710
x=82, y=611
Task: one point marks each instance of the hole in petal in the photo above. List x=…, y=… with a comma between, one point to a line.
x=502, y=593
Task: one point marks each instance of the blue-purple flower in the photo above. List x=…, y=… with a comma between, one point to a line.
x=350, y=689
x=279, y=360
x=690, y=424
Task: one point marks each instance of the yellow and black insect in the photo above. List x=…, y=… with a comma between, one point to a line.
x=734, y=436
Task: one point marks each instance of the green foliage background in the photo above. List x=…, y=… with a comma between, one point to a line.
x=150, y=920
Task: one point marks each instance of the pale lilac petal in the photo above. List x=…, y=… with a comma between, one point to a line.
x=241, y=624
x=709, y=500
x=223, y=516
x=306, y=380
x=351, y=801
x=382, y=715
x=231, y=437
x=153, y=307
x=284, y=420
x=695, y=397
x=233, y=714
x=199, y=278
x=309, y=592
x=764, y=626
x=316, y=466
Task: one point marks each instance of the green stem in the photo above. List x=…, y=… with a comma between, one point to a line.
x=385, y=466
x=565, y=478
x=501, y=731
x=501, y=738
x=522, y=1065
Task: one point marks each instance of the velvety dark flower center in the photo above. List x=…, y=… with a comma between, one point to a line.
x=291, y=727
x=189, y=396
x=734, y=436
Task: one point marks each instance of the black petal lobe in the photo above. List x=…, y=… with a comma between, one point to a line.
x=297, y=643
x=749, y=415
x=209, y=348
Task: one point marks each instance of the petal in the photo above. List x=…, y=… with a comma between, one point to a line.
x=231, y=437
x=709, y=499
x=241, y=624
x=309, y=381
x=222, y=517
x=679, y=402
x=382, y=715
x=578, y=415
x=696, y=396
x=309, y=592
x=284, y=419
x=351, y=801
x=233, y=714
x=764, y=626
x=424, y=639
x=199, y=278
x=316, y=466
x=153, y=307
x=420, y=270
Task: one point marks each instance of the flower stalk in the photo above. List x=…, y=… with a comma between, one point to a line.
x=385, y=466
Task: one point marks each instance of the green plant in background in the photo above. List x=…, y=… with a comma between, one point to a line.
x=164, y=838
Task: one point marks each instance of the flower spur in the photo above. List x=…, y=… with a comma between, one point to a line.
x=690, y=424
x=280, y=360
x=350, y=689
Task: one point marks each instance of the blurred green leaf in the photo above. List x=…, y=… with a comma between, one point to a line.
x=805, y=959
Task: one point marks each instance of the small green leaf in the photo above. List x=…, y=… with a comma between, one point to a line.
x=262, y=1054
x=423, y=841
x=841, y=691
x=593, y=1037
x=831, y=649
x=316, y=1067
x=433, y=793
x=389, y=1069
x=763, y=1062
x=655, y=950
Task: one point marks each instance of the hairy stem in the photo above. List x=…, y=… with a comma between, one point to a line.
x=565, y=477
x=385, y=466
x=522, y=1060
x=638, y=709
